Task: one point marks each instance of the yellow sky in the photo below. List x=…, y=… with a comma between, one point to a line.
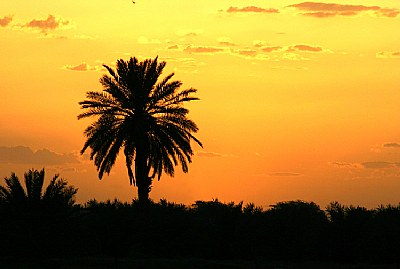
x=299, y=100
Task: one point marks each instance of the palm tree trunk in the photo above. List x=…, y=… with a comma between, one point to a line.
x=143, y=181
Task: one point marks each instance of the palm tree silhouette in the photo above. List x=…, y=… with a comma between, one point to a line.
x=144, y=117
x=56, y=194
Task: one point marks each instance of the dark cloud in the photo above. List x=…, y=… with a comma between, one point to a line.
x=252, y=9
x=25, y=155
x=5, y=21
x=324, y=10
x=391, y=145
x=51, y=23
x=192, y=49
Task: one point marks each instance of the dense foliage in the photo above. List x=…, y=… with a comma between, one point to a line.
x=294, y=230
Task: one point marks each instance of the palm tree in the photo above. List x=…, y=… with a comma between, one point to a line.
x=144, y=117
x=57, y=193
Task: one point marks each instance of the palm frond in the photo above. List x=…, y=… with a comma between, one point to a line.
x=34, y=183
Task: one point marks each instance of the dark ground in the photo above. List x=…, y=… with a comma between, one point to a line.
x=107, y=263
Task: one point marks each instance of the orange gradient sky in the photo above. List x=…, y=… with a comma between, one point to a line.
x=299, y=100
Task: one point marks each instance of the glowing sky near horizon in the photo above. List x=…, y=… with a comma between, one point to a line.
x=299, y=100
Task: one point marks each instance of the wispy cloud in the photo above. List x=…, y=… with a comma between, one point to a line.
x=81, y=67
x=247, y=52
x=226, y=41
x=345, y=165
x=173, y=47
x=376, y=165
x=203, y=49
x=44, y=25
x=5, y=21
x=209, y=154
x=388, y=54
x=189, y=32
x=25, y=155
x=306, y=48
x=251, y=9
x=271, y=49
x=294, y=57
x=326, y=10
x=259, y=43
x=391, y=145
x=380, y=165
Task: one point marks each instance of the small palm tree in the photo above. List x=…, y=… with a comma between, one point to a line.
x=57, y=193
x=144, y=117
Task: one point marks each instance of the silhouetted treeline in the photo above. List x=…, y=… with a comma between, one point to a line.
x=294, y=230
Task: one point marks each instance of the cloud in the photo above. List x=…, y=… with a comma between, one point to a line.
x=209, y=154
x=247, y=52
x=388, y=55
x=271, y=49
x=81, y=67
x=51, y=23
x=325, y=10
x=252, y=9
x=379, y=165
x=25, y=155
x=259, y=43
x=173, y=47
x=5, y=21
x=305, y=48
x=145, y=40
x=391, y=145
x=203, y=49
x=189, y=32
x=345, y=165
x=367, y=165
x=226, y=41
x=293, y=57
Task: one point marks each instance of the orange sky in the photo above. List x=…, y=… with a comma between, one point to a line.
x=299, y=100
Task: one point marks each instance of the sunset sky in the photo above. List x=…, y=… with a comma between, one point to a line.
x=299, y=100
